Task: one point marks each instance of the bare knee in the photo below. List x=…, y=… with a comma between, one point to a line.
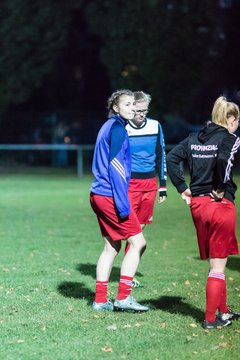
x=138, y=242
x=217, y=264
x=112, y=246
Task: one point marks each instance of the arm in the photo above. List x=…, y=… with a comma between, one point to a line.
x=161, y=165
x=119, y=179
x=226, y=154
x=222, y=171
x=175, y=160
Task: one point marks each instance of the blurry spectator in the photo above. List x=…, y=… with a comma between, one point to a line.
x=74, y=133
x=61, y=136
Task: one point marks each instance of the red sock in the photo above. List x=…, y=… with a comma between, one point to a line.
x=101, y=291
x=214, y=290
x=223, y=303
x=124, y=287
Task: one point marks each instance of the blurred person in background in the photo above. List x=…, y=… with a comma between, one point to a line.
x=61, y=137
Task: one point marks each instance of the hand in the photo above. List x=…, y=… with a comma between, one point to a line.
x=217, y=195
x=187, y=196
x=161, y=199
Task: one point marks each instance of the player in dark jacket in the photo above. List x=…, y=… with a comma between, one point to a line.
x=210, y=155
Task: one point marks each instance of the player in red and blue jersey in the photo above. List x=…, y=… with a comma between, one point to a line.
x=148, y=160
x=148, y=163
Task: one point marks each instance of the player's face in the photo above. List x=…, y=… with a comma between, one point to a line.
x=125, y=107
x=141, y=112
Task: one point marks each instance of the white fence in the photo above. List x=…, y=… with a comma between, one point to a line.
x=78, y=148
x=52, y=147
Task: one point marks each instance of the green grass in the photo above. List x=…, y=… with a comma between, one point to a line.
x=50, y=243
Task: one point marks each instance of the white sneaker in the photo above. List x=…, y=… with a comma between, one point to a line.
x=230, y=315
x=106, y=306
x=129, y=304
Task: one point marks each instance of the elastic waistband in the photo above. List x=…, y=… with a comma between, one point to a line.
x=143, y=175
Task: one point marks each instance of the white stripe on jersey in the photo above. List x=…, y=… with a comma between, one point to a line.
x=230, y=160
x=120, y=169
x=151, y=128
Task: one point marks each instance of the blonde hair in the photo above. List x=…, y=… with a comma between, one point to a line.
x=114, y=100
x=222, y=110
x=141, y=96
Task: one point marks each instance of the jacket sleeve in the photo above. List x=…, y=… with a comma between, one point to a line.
x=161, y=163
x=118, y=162
x=226, y=155
x=175, y=160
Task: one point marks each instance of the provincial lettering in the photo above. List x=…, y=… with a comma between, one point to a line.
x=204, y=147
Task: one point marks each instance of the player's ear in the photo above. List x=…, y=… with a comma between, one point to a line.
x=115, y=108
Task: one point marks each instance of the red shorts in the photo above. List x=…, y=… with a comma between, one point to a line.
x=109, y=223
x=142, y=203
x=215, y=224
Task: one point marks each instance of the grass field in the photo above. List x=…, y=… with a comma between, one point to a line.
x=50, y=243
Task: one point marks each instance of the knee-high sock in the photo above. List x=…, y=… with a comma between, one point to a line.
x=101, y=291
x=223, y=303
x=124, y=287
x=214, y=291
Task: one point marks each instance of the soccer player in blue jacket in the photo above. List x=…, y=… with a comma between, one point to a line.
x=109, y=200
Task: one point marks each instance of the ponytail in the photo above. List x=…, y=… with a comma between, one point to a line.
x=222, y=110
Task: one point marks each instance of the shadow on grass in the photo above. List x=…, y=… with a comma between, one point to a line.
x=171, y=304
x=90, y=269
x=233, y=263
x=75, y=290
x=176, y=305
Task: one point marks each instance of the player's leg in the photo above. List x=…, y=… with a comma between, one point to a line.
x=135, y=198
x=124, y=300
x=106, y=259
x=217, y=269
x=132, y=258
x=104, y=267
x=143, y=204
x=222, y=242
x=208, y=227
x=145, y=216
x=214, y=287
x=145, y=212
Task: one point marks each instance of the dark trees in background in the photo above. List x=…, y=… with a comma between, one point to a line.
x=32, y=37
x=171, y=49
x=230, y=61
x=78, y=80
x=71, y=54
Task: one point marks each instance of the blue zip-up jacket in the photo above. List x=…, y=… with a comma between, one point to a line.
x=112, y=163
